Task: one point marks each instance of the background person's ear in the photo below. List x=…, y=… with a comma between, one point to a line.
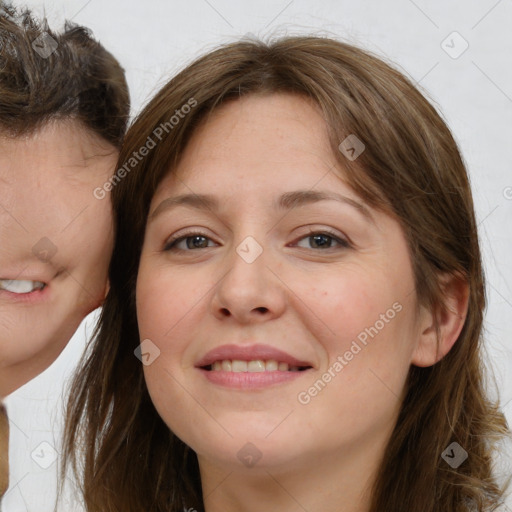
x=450, y=320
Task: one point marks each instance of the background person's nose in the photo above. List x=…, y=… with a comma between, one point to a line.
x=249, y=292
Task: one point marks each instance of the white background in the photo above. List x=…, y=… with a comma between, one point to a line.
x=154, y=39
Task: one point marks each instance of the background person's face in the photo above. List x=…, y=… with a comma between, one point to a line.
x=307, y=296
x=54, y=231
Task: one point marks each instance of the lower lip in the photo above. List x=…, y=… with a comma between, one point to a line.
x=250, y=380
x=35, y=297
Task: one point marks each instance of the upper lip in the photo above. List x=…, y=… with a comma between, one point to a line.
x=28, y=274
x=249, y=353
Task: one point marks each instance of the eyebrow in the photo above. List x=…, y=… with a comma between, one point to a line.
x=297, y=198
x=287, y=201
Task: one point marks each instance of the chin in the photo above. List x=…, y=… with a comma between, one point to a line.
x=250, y=451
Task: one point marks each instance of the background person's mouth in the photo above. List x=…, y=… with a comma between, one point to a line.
x=24, y=291
x=20, y=286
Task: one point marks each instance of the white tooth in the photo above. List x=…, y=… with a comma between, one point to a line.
x=217, y=366
x=294, y=368
x=283, y=367
x=256, y=366
x=226, y=365
x=271, y=365
x=19, y=286
x=238, y=366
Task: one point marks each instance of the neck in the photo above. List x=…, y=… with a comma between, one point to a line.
x=340, y=481
x=15, y=376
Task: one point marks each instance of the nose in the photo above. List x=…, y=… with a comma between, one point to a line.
x=248, y=292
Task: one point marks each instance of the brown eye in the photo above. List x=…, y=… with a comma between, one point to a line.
x=196, y=242
x=189, y=242
x=322, y=241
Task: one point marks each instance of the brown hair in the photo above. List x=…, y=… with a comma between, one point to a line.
x=411, y=168
x=45, y=76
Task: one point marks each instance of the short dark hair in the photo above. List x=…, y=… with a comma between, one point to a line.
x=46, y=76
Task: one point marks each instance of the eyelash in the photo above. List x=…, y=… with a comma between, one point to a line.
x=171, y=244
x=345, y=244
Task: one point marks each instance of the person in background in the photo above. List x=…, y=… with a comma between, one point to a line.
x=64, y=109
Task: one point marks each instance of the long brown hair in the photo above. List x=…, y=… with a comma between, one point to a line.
x=126, y=457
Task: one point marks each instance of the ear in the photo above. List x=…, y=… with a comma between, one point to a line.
x=450, y=319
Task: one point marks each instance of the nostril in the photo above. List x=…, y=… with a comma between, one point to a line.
x=262, y=310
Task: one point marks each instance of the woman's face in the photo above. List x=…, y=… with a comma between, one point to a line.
x=278, y=310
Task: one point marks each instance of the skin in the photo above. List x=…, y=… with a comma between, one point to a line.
x=47, y=182
x=310, y=302
x=4, y=451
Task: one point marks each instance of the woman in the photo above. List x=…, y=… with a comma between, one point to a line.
x=296, y=265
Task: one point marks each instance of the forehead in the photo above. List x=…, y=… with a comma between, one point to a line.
x=55, y=146
x=258, y=141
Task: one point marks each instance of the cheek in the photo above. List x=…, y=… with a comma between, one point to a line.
x=366, y=317
x=168, y=307
x=86, y=250
x=97, y=229
x=96, y=220
x=81, y=229
x=367, y=331
x=167, y=303
x=341, y=304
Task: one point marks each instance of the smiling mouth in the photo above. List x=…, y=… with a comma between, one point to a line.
x=252, y=366
x=20, y=286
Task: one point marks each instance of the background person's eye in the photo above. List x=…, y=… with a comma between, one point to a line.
x=189, y=242
x=321, y=240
